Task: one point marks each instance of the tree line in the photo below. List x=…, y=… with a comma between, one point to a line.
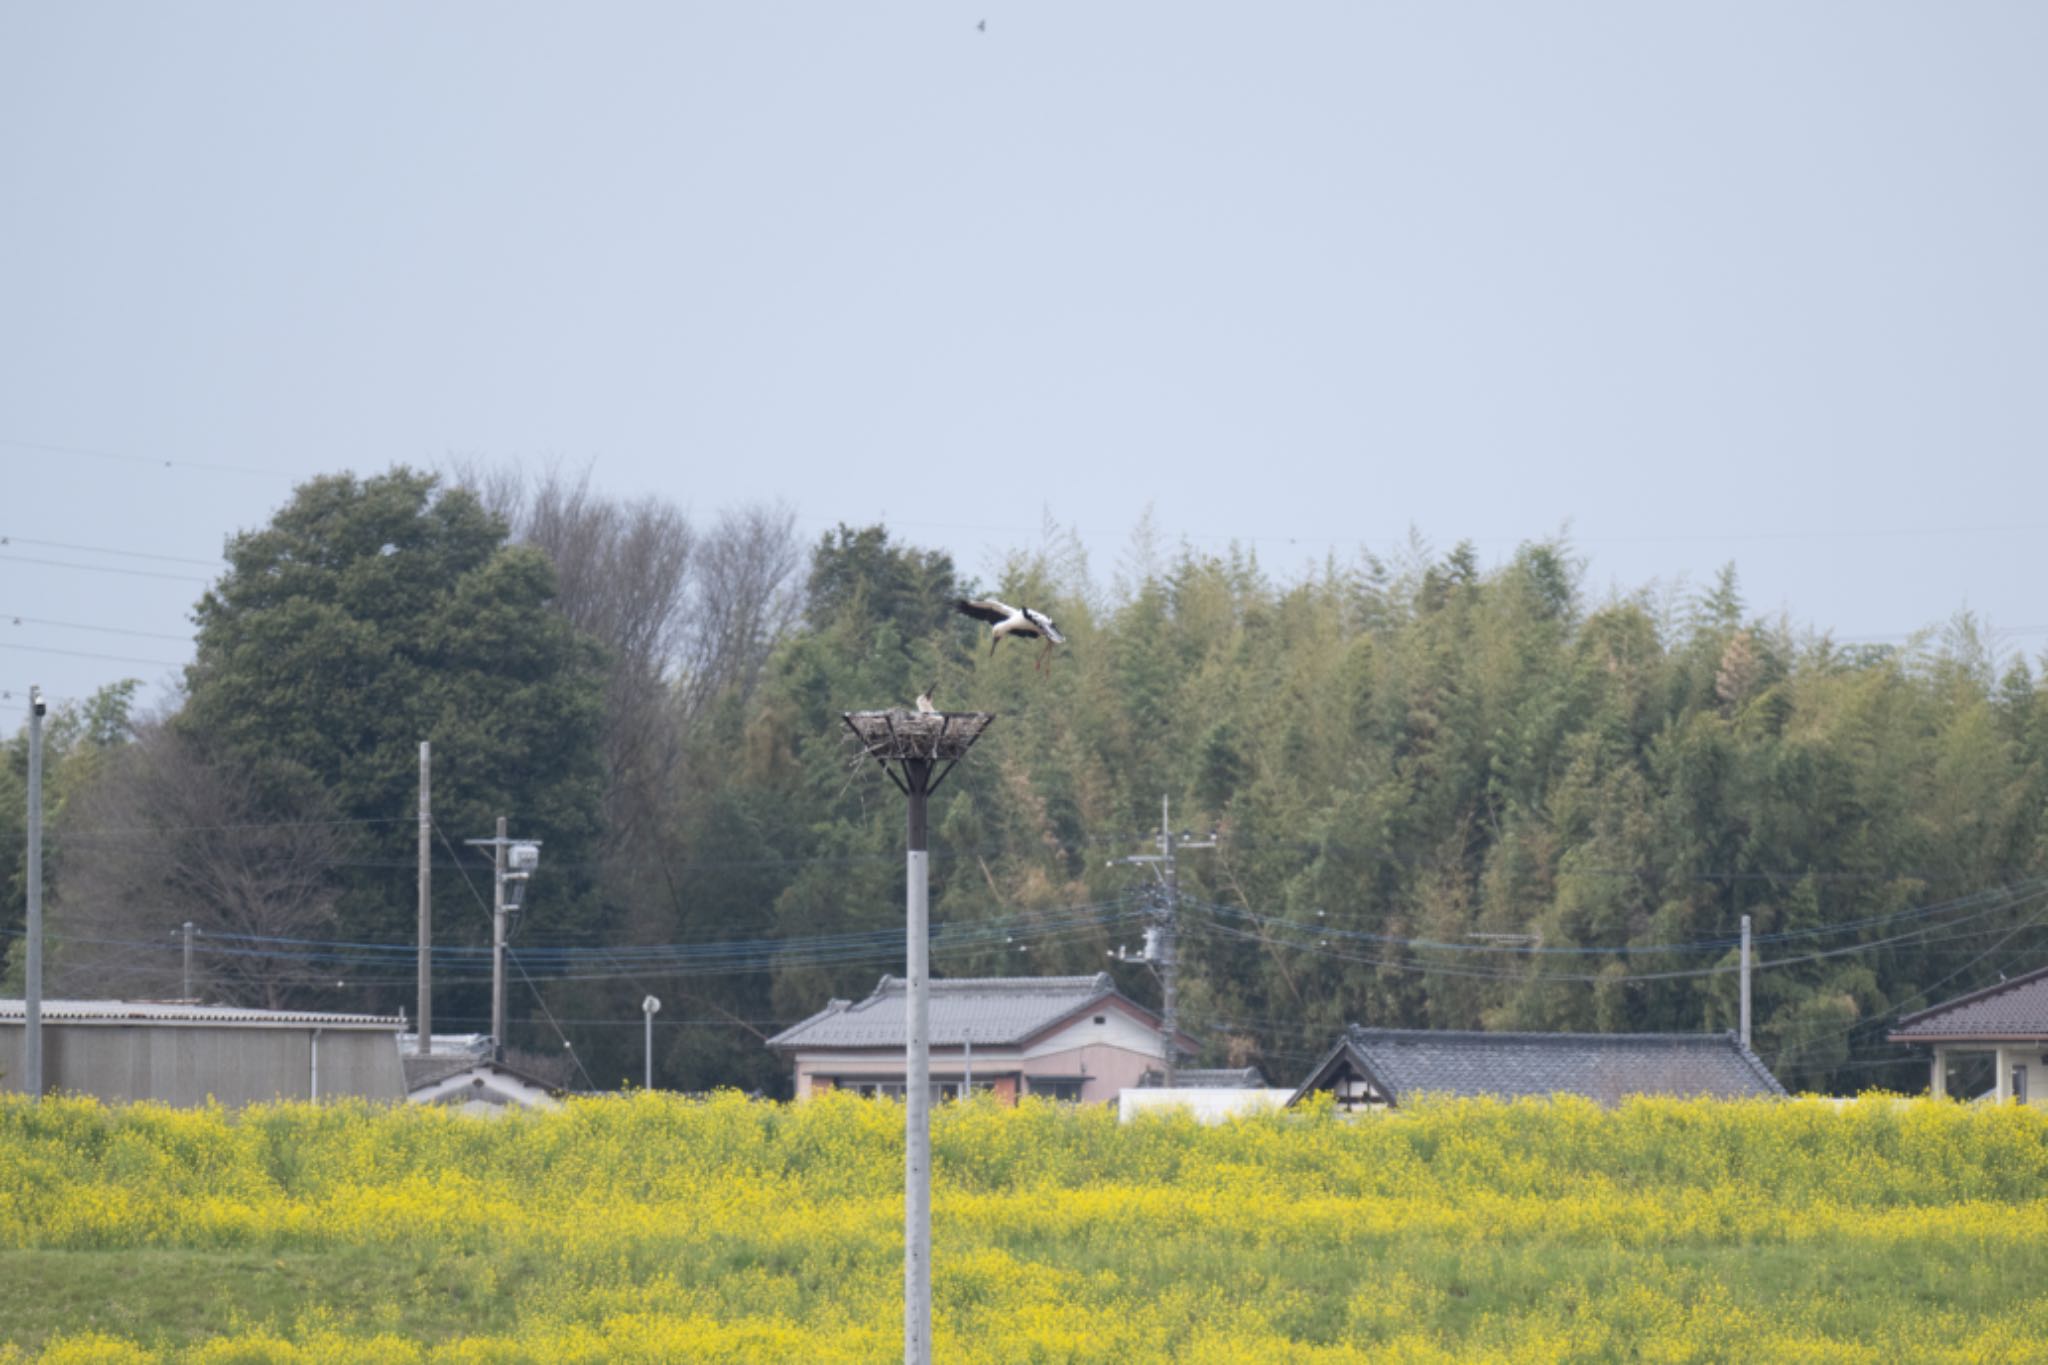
x=1444, y=794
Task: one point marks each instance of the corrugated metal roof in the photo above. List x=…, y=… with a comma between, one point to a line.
x=170, y=1012
x=1606, y=1067
x=997, y=1011
x=2011, y=1009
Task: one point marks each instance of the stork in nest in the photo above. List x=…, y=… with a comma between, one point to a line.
x=1004, y=619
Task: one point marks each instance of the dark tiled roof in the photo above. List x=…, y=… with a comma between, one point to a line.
x=1606, y=1067
x=993, y=1010
x=424, y=1071
x=2011, y=1009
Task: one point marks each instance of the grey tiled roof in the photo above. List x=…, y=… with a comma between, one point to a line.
x=1606, y=1067
x=438, y=1066
x=1198, y=1078
x=2011, y=1009
x=997, y=1011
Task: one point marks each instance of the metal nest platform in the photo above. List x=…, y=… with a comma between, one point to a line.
x=941, y=736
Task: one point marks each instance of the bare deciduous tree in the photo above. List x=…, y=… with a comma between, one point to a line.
x=165, y=835
x=687, y=617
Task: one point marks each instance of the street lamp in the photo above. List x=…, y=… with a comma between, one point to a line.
x=650, y=1007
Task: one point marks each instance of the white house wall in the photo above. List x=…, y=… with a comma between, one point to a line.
x=1117, y=1029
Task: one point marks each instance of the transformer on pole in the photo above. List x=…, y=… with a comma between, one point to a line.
x=512, y=865
x=917, y=749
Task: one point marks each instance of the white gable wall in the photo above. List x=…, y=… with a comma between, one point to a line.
x=1118, y=1030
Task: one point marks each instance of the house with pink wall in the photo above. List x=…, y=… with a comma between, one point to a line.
x=1062, y=1037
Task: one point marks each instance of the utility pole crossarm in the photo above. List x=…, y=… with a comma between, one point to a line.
x=525, y=857
x=1162, y=939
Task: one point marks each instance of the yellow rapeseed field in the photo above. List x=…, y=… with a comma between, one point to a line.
x=656, y=1228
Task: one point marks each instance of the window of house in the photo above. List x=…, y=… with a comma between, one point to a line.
x=1057, y=1089
x=892, y=1088
x=2019, y=1084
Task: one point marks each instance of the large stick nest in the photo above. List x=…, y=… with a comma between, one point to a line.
x=892, y=736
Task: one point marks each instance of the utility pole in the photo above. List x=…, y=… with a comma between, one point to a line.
x=1162, y=937
x=512, y=863
x=426, y=1028
x=32, y=1005
x=1745, y=980
x=923, y=748
x=187, y=931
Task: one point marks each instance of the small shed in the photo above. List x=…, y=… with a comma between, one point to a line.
x=1379, y=1068
x=1062, y=1037
x=185, y=1054
x=2009, y=1021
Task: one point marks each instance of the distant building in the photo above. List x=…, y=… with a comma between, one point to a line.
x=460, y=1073
x=184, y=1054
x=1380, y=1068
x=2009, y=1021
x=1199, y=1078
x=1063, y=1037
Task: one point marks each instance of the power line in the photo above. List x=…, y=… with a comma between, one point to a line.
x=12, y=619
x=105, y=568
x=108, y=550
x=87, y=654
x=137, y=459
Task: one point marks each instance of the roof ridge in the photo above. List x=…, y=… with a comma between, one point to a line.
x=1099, y=980
x=1531, y=1035
x=1972, y=997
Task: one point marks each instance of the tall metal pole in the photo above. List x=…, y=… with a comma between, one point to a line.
x=498, y=944
x=426, y=1043
x=1745, y=980
x=650, y=1007
x=32, y=1034
x=187, y=931
x=917, y=1088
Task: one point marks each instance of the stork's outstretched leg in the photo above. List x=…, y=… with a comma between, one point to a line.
x=994, y=640
x=1043, y=655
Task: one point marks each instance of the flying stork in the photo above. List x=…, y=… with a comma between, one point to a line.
x=1004, y=619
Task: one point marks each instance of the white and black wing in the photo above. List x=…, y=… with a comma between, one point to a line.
x=1045, y=625
x=984, y=609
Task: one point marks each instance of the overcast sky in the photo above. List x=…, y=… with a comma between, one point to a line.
x=1762, y=282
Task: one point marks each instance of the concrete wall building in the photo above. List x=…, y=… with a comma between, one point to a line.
x=1063, y=1037
x=122, y=1051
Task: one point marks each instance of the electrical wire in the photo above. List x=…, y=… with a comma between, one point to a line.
x=87, y=654
x=11, y=619
x=104, y=568
x=107, y=550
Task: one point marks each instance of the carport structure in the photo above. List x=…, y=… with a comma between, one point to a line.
x=2008, y=1021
